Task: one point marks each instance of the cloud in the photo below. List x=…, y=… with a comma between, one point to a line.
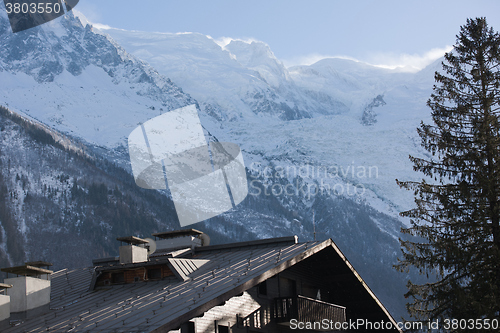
x=408, y=61
x=89, y=11
x=84, y=19
x=309, y=59
x=403, y=62
x=102, y=26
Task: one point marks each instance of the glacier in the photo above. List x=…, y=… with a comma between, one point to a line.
x=300, y=128
x=230, y=81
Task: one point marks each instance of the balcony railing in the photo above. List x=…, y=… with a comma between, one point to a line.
x=306, y=309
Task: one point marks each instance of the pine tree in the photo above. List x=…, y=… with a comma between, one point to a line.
x=457, y=214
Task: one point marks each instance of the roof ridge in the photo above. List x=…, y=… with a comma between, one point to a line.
x=288, y=239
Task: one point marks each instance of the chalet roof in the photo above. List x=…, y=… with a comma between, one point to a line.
x=213, y=275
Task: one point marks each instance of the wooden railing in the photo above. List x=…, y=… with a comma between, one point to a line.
x=306, y=309
x=259, y=319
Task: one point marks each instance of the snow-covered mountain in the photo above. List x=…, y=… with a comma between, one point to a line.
x=240, y=80
x=61, y=203
x=326, y=140
x=80, y=82
x=349, y=116
x=245, y=94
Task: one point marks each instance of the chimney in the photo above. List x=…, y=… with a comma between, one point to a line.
x=133, y=252
x=4, y=307
x=180, y=239
x=30, y=291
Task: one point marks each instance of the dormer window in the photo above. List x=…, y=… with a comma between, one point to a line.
x=154, y=273
x=118, y=277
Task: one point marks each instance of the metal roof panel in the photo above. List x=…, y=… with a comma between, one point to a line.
x=212, y=276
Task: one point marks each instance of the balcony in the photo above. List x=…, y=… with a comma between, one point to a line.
x=305, y=309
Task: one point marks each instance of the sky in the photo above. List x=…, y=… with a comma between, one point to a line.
x=380, y=32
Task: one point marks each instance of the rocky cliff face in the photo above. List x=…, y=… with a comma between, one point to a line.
x=369, y=116
x=45, y=52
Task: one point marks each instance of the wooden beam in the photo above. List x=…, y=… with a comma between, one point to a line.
x=132, y=240
x=39, y=263
x=26, y=270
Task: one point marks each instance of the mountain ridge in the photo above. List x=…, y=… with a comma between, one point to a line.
x=284, y=119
